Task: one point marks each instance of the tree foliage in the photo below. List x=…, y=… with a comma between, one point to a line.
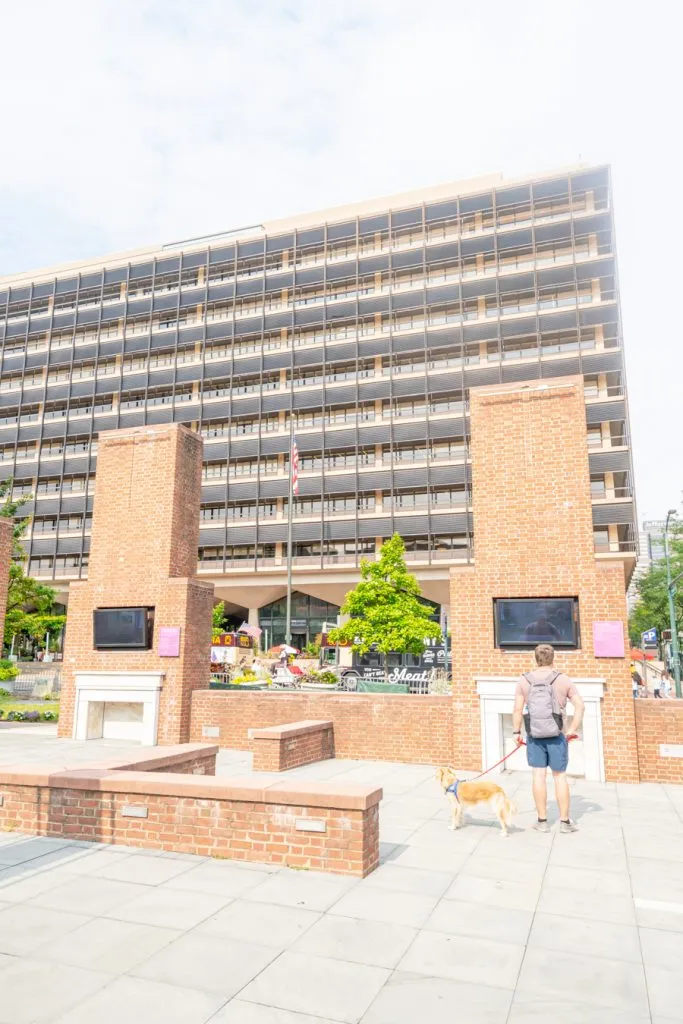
x=9, y=509
x=218, y=618
x=652, y=608
x=385, y=609
x=30, y=604
x=30, y=608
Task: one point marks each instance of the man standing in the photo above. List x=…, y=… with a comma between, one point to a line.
x=545, y=691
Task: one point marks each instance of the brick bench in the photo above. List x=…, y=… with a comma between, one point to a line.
x=170, y=799
x=280, y=747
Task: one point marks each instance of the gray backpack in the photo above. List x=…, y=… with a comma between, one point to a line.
x=544, y=717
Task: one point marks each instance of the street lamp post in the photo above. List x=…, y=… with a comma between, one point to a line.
x=671, y=590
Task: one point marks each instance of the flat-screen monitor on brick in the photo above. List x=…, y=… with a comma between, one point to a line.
x=120, y=629
x=526, y=622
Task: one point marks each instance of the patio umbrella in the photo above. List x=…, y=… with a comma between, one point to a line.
x=286, y=648
x=638, y=655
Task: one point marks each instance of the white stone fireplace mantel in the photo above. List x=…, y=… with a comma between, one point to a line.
x=497, y=697
x=137, y=691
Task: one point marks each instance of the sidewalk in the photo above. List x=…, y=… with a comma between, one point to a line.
x=465, y=926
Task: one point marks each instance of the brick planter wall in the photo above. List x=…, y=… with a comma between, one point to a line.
x=321, y=826
x=288, y=746
x=372, y=726
x=659, y=722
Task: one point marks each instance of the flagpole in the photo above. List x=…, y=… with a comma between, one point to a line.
x=288, y=614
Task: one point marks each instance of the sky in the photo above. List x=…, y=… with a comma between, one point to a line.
x=134, y=122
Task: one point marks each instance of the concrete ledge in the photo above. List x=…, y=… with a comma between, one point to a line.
x=287, y=731
x=100, y=779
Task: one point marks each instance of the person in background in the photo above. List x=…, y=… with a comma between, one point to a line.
x=643, y=690
x=656, y=690
x=636, y=681
x=665, y=685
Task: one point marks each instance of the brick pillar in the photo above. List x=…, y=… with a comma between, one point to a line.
x=145, y=536
x=533, y=537
x=6, y=540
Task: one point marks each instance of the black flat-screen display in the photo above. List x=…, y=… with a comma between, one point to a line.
x=121, y=628
x=526, y=622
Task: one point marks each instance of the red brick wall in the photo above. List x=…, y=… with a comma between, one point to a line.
x=373, y=726
x=144, y=552
x=659, y=722
x=534, y=538
x=199, y=765
x=278, y=749
x=187, y=759
x=208, y=817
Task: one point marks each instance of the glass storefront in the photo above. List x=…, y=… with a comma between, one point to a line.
x=308, y=616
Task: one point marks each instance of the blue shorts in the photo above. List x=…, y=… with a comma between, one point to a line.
x=551, y=753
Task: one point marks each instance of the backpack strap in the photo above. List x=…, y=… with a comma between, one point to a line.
x=525, y=675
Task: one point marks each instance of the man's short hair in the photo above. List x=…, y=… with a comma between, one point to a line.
x=545, y=654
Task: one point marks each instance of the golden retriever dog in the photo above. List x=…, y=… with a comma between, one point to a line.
x=468, y=794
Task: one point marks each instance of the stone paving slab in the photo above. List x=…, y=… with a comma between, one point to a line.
x=464, y=926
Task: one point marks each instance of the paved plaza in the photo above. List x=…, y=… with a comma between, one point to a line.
x=464, y=926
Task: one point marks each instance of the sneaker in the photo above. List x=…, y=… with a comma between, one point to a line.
x=569, y=826
x=541, y=826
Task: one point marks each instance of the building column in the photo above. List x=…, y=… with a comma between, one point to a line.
x=609, y=485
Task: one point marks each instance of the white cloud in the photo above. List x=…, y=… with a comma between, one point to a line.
x=128, y=122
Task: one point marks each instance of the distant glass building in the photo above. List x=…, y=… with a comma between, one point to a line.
x=368, y=325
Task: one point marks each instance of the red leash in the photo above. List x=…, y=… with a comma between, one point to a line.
x=574, y=736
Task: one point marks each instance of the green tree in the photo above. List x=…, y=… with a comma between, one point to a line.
x=9, y=509
x=218, y=618
x=30, y=608
x=30, y=604
x=652, y=608
x=385, y=609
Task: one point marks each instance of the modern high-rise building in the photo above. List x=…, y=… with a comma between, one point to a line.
x=368, y=325
x=651, y=551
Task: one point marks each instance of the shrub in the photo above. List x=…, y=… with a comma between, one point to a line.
x=15, y=716
x=246, y=677
x=32, y=716
x=4, y=694
x=50, y=716
x=8, y=670
x=328, y=676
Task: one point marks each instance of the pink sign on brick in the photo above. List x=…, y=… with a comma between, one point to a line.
x=169, y=641
x=608, y=639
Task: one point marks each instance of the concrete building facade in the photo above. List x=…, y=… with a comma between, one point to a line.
x=362, y=330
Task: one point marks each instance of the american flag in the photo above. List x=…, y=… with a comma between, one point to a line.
x=253, y=631
x=295, y=467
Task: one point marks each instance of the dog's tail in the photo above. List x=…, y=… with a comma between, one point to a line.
x=505, y=807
